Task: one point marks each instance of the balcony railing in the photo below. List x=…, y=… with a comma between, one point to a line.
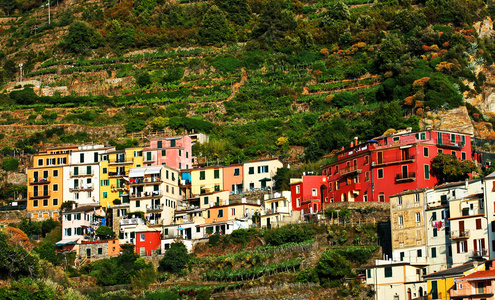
x=411, y=176
x=40, y=180
x=81, y=174
x=457, y=235
x=156, y=222
x=131, y=221
x=145, y=180
x=400, y=159
x=122, y=160
x=472, y=291
x=145, y=195
x=479, y=253
x=117, y=174
x=82, y=188
x=151, y=208
x=350, y=170
x=450, y=144
x=40, y=195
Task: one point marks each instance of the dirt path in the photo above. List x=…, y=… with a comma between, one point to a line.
x=237, y=85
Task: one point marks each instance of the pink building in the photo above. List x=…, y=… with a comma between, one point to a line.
x=308, y=194
x=174, y=152
x=477, y=285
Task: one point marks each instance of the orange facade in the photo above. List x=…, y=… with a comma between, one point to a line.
x=233, y=178
x=45, y=183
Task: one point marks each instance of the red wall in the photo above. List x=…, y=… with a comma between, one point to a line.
x=152, y=240
x=305, y=194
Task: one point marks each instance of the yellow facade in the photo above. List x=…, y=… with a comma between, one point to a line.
x=206, y=180
x=45, y=182
x=444, y=285
x=114, y=166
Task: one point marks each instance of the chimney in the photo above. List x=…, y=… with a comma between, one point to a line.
x=409, y=129
x=352, y=144
x=356, y=141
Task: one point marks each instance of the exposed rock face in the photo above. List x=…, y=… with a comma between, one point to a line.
x=456, y=119
x=16, y=178
x=484, y=28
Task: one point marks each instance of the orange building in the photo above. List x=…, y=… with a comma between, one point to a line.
x=45, y=182
x=233, y=178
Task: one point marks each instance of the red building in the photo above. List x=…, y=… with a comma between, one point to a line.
x=308, y=194
x=390, y=164
x=147, y=241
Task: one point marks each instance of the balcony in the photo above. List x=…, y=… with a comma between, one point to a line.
x=459, y=235
x=131, y=221
x=122, y=160
x=146, y=181
x=154, y=208
x=39, y=195
x=116, y=174
x=350, y=170
x=399, y=159
x=450, y=144
x=155, y=222
x=146, y=195
x=471, y=291
x=404, y=177
x=40, y=180
x=79, y=174
x=83, y=188
x=479, y=253
x=149, y=159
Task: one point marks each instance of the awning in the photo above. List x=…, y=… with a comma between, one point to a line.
x=72, y=241
x=134, y=172
x=266, y=179
x=153, y=170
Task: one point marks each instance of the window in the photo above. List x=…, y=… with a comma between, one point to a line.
x=187, y=154
x=388, y=271
x=40, y=162
x=220, y=213
x=367, y=176
x=68, y=231
x=462, y=247
x=45, y=202
x=55, y=202
x=434, y=216
x=237, y=172
x=251, y=170
x=55, y=187
x=205, y=200
x=427, y=172
x=159, y=144
x=138, y=203
x=399, y=200
x=232, y=211
x=81, y=157
x=262, y=169
x=435, y=232
x=433, y=252
x=202, y=175
x=380, y=173
x=105, y=195
x=164, y=153
x=55, y=173
x=50, y=161
x=208, y=214
x=298, y=189
x=416, y=198
x=381, y=197
x=369, y=273
x=463, y=155
x=100, y=251
x=180, y=152
x=216, y=174
x=142, y=237
x=440, y=151
x=418, y=217
x=105, y=170
x=35, y=203
x=172, y=143
x=478, y=223
x=419, y=252
x=314, y=193
x=401, y=220
x=425, y=152
x=366, y=160
x=298, y=202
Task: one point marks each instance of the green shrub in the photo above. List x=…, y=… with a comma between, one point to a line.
x=175, y=259
x=10, y=164
x=213, y=240
x=135, y=125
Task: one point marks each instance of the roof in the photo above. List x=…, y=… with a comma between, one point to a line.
x=488, y=274
x=82, y=208
x=72, y=241
x=459, y=270
x=490, y=176
x=408, y=192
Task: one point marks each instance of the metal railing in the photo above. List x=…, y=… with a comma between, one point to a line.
x=80, y=174
x=456, y=234
x=153, y=194
x=407, y=176
x=41, y=180
x=472, y=291
x=350, y=169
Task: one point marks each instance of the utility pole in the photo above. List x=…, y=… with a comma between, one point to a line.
x=20, y=66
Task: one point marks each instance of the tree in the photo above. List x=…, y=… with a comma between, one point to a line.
x=214, y=28
x=282, y=179
x=447, y=168
x=25, y=96
x=143, y=79
x=274, y=22
x=238, y=11
x=15, y=261
x=105, y=232
x=10, y=164
x=332, y=268
x=81, y=37
x=135, y=125
x=175, y=258
x=47, y=252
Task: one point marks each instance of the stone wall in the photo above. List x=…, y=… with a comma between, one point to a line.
x=12, y=216
x=109, y=131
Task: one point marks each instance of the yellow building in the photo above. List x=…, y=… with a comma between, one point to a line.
x=206, y=180
x=440, y=283
x=114, y=168
x=45, y=182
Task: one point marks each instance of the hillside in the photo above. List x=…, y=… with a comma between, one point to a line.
x=296, y=79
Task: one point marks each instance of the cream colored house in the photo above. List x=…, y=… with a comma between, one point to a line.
x=278, y=210
x=258, y=174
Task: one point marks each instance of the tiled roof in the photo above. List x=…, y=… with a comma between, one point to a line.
x=83, y=208
x=490, y=176
x=479, y=275
x=408, y=192
x=459, y=270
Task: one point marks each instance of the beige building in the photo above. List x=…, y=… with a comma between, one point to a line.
x=407, y=221
x=278, y=210
x=258, y=174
